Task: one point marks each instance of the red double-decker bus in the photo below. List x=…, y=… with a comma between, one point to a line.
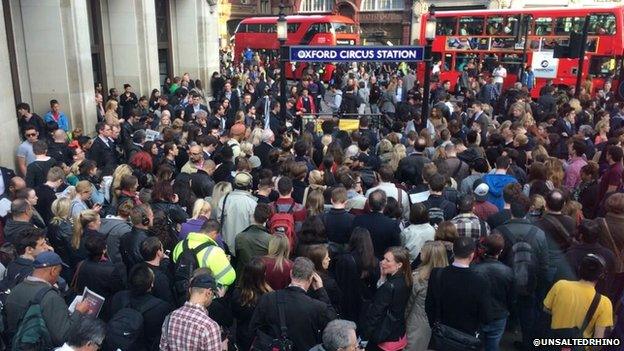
x=260, y=35
x=480, y=39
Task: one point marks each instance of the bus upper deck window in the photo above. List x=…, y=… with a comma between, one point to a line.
x=543, y=26
x=471, y=26
x=565, y=25
x=602, y=24
x=446, y=26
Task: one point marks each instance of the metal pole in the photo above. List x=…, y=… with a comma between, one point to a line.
x=581, y=57
x=424, y=114
x=283, y=62
x=526, y=20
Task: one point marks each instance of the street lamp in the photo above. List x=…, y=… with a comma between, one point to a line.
x=430, y=33
x=282, y=35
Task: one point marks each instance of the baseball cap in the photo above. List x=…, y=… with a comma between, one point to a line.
x=481, y=191
x=48, y=259
x=243, y=179
x=205, y=281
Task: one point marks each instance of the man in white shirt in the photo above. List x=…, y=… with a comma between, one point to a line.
x=499, y=74
x=386, y=176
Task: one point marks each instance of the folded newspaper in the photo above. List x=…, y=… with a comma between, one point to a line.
x=95, y=302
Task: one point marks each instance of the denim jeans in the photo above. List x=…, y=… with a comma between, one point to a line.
x=492, y=333
x=528, y=315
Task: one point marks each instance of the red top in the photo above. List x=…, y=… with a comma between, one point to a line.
x=275, y=278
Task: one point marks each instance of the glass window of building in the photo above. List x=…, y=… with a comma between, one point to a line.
x=382, y=5
x=317, y=6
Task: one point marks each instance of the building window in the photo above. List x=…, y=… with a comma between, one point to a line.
x=97, y=43
x=165, y=59
x=382, y=5
x=265, y=6
x=317, y=6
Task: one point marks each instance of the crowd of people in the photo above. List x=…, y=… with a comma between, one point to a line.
x=203, y=220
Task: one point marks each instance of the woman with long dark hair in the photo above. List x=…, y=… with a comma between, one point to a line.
x=251, y=287
x=356, y=271
x=319, y=255
x=384, y=325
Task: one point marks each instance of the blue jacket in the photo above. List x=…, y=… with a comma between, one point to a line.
x=497, y=183
x=63, y=121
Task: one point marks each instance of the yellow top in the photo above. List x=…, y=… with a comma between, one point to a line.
x=568, y=302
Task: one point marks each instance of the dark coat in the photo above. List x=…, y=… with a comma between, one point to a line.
x=101, y=277
x=104, y=156
x=162, y=281
x=153, y=317
x=392, y=295
x=338, y=225
x=385, y=232
x=500, y=280
x=7, y=175
x=202, y=184
x=306, y=316
x=13, y=230
x=130, y=247
x=173, y=211
x=37, y=172
x=462, y=296
x=262, y=151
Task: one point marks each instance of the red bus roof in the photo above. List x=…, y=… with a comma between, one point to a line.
x=294, y=19
x=537, y=10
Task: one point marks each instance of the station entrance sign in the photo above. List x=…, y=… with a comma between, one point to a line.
x=356, y=53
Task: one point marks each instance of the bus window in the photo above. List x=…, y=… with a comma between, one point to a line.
x=448, y=62
x=293, y=27
x=512, y=63
x=344, y=28
x=463, y=60
x=490, y=61
x=602, y=24
x=471, y=26
x=446, y=26
x=565, y=25
x=543, y=26
x=268, y=28
x=495, y=26
x=603, y=66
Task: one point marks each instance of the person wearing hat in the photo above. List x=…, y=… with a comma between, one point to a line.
x=211, y=256
x=236, y=209
x=482, y=208
x=189, y=328
x=570, y=302
x=47, y=269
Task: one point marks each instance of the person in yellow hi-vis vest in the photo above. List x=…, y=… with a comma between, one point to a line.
x=203, y=245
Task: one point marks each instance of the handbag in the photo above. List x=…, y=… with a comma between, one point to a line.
x=384, y=329
x=446, y=338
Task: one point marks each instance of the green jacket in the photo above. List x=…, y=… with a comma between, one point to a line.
x=253, y=241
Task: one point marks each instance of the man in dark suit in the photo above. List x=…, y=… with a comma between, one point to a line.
x=384, y=231
x=547, y=102
x=103, y=150
x=306, y=313
x=265, y=147
x=192, y=109
x=457, y=296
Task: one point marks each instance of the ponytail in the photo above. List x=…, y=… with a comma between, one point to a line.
x=80, y=223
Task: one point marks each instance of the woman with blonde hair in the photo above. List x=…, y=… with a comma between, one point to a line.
x=278, y=265
x=385, y=150
x=112, y=190
x=60, y=229
x=201, y=212
x=87, y=223
x=83, y=193
x=218, y=192
x=256, y=136
x=433, y=255
x=316, y=181
x=110, y=116
x=398, y=153
x=602, y=128
x=246, y=149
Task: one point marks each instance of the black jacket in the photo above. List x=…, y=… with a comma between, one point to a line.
x=410, y=168
x=306, y=316
x=7, y=175
x=173, y=211
x=338, y=225
x=101, y=277
x=16, y=271
x=104, y=156
x=462, y=296
x=439, y=201
x=162, y=281
x=46, y=197
x=385, y=232
x=61, y=153
x=392, y=295
x=130, y=247
x=501, y=284
x=153, y=318
x=37, y=172
x=127, y=103
x=262, y=151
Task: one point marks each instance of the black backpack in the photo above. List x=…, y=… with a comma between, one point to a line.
x=125, y=330
x=523, y=263
x=186, y=265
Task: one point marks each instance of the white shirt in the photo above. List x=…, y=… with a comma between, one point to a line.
x=500, y=73
x=392, y=191
x=2, y=186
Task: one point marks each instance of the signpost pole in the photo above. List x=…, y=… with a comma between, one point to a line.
x=527, y=21
x=581, y=57
x=429, y=36
x=282, y=35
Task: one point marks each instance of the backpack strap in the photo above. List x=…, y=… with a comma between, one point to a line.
x=590, y=312
x=438, y=286
x=36, y=300
x=560, y=228
x=282, y=317
x=223, y=209
x=292, y=206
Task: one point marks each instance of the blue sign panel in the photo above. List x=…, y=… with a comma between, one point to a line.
x=356, y=53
